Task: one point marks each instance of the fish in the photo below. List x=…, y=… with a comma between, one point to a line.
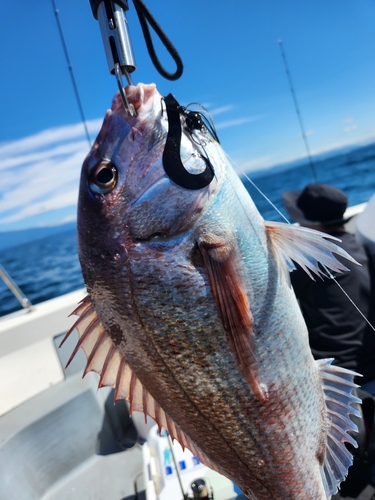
x=190, y=315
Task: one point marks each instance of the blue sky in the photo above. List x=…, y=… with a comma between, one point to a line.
x=232, y=65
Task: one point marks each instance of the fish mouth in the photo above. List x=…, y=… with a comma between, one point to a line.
x=140, y=96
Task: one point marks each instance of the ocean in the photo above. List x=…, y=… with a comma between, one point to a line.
x=353, y=172
x=49, y=267
x=43, y=269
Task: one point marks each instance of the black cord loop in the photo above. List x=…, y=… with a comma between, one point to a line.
x=144, y=16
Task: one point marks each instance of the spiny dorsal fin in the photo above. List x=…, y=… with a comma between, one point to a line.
x=104, y=358
x=337, y=385
x=306, y=247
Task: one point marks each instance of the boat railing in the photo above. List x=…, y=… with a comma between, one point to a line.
x=14, y=288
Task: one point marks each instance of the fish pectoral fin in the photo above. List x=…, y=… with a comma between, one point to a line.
x=306, y=247
x=335, y=458
x=220, y=260
x=104, y=358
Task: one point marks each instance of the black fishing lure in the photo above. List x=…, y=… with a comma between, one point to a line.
x=171, y=156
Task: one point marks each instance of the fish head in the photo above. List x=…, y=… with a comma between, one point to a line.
x=126, y=195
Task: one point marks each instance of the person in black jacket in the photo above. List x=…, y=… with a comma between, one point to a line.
x=336, y=329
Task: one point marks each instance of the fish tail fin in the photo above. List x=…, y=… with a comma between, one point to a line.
x=306, y=247
x=335, y=458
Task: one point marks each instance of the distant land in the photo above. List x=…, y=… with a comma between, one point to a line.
x=15, y=238
x=346, y=155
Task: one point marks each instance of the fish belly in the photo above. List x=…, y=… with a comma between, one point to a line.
x=182, y=357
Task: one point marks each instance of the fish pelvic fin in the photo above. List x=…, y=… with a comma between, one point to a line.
x=337, y=385
x=228, y=291
x=104, y=358
x=306, y=247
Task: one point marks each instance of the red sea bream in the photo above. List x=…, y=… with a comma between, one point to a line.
x=189, y=314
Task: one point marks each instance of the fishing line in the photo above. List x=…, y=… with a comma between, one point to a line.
x=329, y=274
x=238, y=168
x=208, y=122
x=264, y=196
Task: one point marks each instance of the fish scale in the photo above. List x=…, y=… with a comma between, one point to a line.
x=188, y=370
x=189, y=373
x=199, y=327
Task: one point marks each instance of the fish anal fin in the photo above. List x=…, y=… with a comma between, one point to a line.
x=110, y=367
x=220, y=259
x=306, y=247
x=86, y=314
x=104, y=358
x=337, y=385
x=82, y=307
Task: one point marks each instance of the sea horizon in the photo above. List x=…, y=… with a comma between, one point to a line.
x=345, y=155
x=44, y=261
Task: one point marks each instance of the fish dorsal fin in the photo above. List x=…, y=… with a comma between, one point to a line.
x=104, y=358
x=337, y=386
x=306, y=247
x=220, y=259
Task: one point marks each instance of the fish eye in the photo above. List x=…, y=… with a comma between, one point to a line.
x=104, y=177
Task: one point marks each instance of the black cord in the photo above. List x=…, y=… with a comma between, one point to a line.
x=144, y=16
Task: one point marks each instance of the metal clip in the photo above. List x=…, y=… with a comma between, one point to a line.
x=129, y=108
x=116, y=40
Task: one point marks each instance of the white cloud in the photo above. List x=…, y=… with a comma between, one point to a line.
x=222, y=109
x=40, y=173
x=41, y=181
x=263, y=163
x=68, y=218
x=60, y=222
x=62, y=149
x=254, y=165
x=68, y=198
x=235, y=122
x=350, y=129
x=49, y=136
x=299, y=137
x=345, y=142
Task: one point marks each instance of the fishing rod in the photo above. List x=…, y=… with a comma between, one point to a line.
x=328, y=273
x=71, y=73
x=198, y=486
x=298, y=112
